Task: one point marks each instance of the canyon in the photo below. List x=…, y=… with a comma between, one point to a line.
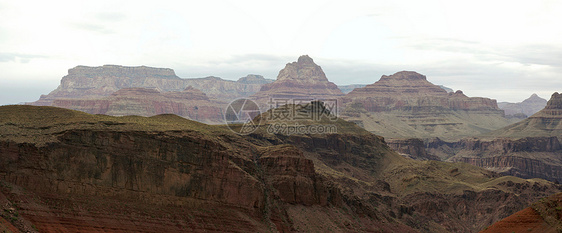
x=529, y=148
x=168, y=173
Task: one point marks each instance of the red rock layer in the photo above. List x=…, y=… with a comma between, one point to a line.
x=190, y=103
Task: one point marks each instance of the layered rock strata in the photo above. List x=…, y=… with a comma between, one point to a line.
x=405, y=105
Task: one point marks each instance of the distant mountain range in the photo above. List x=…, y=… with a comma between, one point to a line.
x=402, y=105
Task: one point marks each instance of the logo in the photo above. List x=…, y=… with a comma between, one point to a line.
x=240, y=116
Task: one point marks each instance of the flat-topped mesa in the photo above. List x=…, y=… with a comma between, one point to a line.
x=403, y=83
x=406, y=105
x=94, y=82
x=123, y=71
x=407, y=90
x=302, y=79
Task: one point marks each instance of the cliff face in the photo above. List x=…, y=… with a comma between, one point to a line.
x=405, y=105
x=528, y=107
x=301, y=80
x=530, y=148
x=84, y=82
x=531, y=157
x=413, y=148
x=80, y=172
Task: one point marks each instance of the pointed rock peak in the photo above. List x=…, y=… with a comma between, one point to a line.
x=305, y=59
x=534, y=99
x=304, y=69
x=405, y=75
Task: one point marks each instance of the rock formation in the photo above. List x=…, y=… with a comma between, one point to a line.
x=300, y=80
x=406, y=105
x=68, y=170
x=523, y=109
x=84, y=82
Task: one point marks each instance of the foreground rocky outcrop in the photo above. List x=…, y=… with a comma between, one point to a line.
x=406, y=105
x=525, y=108
x=71, y=171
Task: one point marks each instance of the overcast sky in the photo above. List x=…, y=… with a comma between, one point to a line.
x=504, y=50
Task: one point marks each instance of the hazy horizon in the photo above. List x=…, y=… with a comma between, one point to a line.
x=501, y=50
